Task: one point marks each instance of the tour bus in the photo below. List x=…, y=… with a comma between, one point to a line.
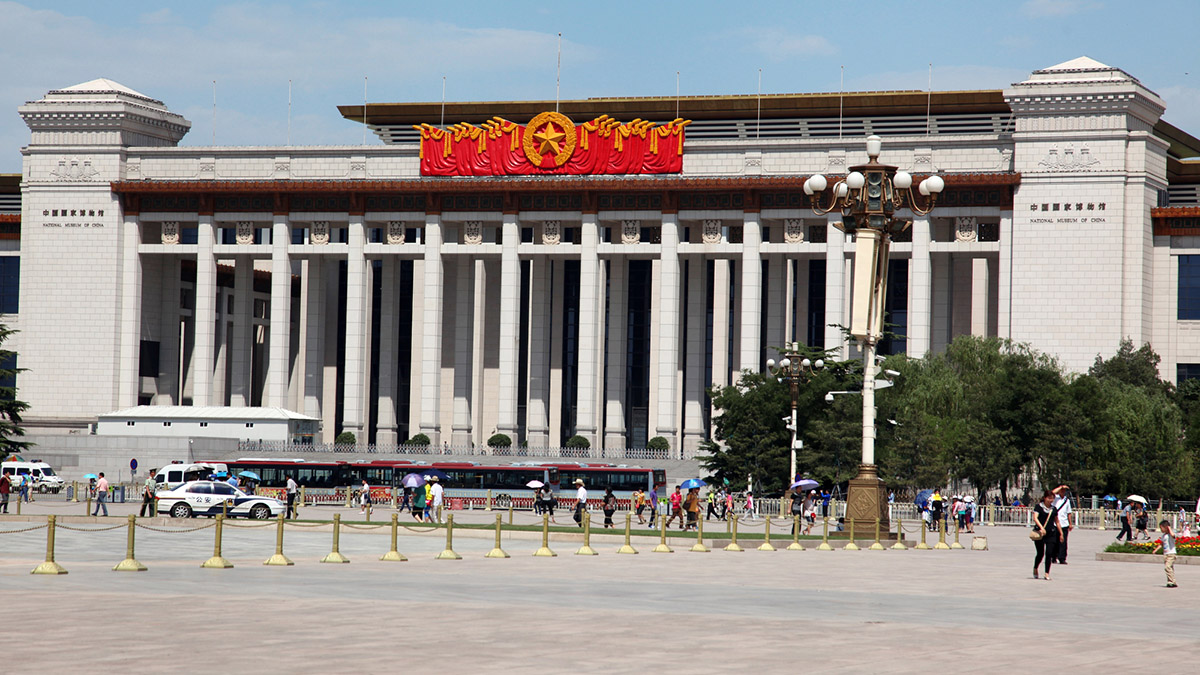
x=42, y=477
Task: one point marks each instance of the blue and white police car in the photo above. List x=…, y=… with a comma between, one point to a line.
x=211, y=498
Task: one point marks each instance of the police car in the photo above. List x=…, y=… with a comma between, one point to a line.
x=210, y=498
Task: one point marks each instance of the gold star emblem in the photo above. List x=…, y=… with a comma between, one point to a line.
x=549, y=139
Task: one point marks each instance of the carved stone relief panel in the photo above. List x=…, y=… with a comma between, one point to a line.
x=170, y=232
x=319, y=233
x=966, y=228
x=793, y=230
x=245, y=232
x=395, y=232
x=631, y=231
x=473, y=232
x=711, y=234
x=551, y=232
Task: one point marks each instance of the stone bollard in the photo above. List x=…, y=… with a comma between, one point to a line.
x=279, y=558
x=497, y=552
x=217, y=561
x=899, y=545
x=956, y=545
x=877, y=546
x=825, y=536
x=587, y=549
x=795, y=545
x=75, y=491
x=489, y=504
x=368, y=513
x=733, y=545
x=544, y=551
x=627, y=548
x=851, y=546
x=449, y=553
x=130, y=563
x=393, y=555
x=49, y=567
x=923, y=546
x=335, y=556
x=510, y=512
x=1103, y=517
x=348, y=497
x=662, y=543
x=89, y=505
x=941, y=545
x=699, y=546
x=766, y=545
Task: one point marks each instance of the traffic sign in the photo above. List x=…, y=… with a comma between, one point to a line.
x=133, y=465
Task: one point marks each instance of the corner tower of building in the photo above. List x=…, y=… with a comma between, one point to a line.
x=1091, y=169
x=86, y=293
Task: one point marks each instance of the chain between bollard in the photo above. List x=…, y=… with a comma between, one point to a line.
x=25, y=529
x=90, y=529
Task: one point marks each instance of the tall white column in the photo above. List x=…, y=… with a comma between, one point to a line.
x=204, y=317
x=979, y=296
x=720, y=349
x=618, y=307
x=279, y=363
x=130, y=332
x=537, y=421
x=694, y=341
x=389, y=326
x=431, y=347
x=417, y=343
x=835, y=284
x=243, y=306
x=943, y=295
x=920, y=289
x=777, y=294
x=667, y=345
x=313, y=347
x=354, y=379
x=589, y=330
x=168, y=350
x=751, y=316
x=464, y=349
x=510, y=320
x=1004, y=276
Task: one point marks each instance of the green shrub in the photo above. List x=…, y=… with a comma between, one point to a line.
x=419, y=439
x=578, y=441
x=345, y=438
x=499, y=441
x=658, y=443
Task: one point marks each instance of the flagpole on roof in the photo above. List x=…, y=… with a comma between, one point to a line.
x=558, y=75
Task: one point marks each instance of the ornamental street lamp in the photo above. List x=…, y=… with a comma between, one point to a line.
x=868, y=198
x=794, y=368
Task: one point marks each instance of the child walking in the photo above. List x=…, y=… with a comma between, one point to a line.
x=1167, y=545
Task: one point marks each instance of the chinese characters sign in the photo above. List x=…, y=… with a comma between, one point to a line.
x=552, y=144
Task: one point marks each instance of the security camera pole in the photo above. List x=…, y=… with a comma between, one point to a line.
x=868, y=198
x=795, y=368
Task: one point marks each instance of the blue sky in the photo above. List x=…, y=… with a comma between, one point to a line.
x=506, y=50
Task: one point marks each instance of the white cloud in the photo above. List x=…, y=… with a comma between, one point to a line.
x=778, y=44
x=1056, y=8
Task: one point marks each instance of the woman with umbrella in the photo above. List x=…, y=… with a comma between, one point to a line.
x=691, y=503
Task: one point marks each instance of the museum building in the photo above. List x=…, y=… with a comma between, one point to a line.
x=545, y=269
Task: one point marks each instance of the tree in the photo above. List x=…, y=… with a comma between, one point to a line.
x=1134, y=367
x=10, y=407
x=345, y=438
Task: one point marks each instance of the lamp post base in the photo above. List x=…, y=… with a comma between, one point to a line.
x=867, y=501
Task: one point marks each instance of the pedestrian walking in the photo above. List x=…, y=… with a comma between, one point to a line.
x=1045, y=533
x=291, y=489
x=405, y=500
x=728, y=504
x=148, y=495
x=652, y=502
x=1166, y=544
x=26, y=481
x=610, y=507
x=548, y=502
x=1126, y=523
x=5, y=489
x=581, y=498
x=435, y=509
x=676, y=506
x=101, y=495
x=1066, y=522
x=797, y=509
x=750, y=512
x=639, y=503
x=418, y=504
x=427, y=511
x=1142, y=521
x=365, y=496
x=691, y=505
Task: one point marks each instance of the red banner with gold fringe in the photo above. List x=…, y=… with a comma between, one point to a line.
x=552, y=144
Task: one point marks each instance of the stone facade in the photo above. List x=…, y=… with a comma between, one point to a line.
x=387, y=314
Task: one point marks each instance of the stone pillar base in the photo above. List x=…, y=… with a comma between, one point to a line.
x=614, y=440
x=866, y=502
x=537, y=438
x=691, y=443
x=386, y=436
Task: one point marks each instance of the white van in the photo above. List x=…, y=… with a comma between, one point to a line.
x=175, y=474
x=43, y=477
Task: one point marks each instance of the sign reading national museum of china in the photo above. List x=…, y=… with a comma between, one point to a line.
x=552, y=144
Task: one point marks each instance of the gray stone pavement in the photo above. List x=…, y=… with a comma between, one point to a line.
x=840, y=611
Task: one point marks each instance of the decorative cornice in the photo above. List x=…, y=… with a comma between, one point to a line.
x=1176, y=221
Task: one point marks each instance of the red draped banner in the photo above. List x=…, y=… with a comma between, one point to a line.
x=552, y=144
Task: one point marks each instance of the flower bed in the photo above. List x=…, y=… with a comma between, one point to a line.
x=1183, y=546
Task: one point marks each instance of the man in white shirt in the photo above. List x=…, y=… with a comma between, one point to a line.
x=1065, y=522
x=101, y=495
x=581, y=501
x=436, y=492
x=291, y=497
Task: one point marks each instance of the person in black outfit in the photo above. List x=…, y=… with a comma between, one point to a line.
x=1045, y=522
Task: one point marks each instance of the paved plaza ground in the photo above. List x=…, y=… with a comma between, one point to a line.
x=840, y=611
